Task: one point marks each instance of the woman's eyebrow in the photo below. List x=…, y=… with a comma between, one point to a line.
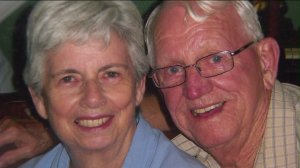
x=112, y=66
x=63, y=71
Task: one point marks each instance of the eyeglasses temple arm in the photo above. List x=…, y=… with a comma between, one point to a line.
x=243, y=48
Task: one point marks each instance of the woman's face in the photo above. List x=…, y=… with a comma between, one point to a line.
x=90, y=94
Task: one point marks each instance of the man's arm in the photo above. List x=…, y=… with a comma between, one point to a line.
x=19, y=143
x=22, y=136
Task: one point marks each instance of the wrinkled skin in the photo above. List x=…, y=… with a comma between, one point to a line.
x=236, y=127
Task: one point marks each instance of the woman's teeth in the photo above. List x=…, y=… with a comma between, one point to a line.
x=92, y=123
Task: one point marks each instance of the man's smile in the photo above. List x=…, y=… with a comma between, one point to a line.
x=200, y=111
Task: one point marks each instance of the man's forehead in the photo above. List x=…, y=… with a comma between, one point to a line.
x=172, y=12
x=177, y=10
x=171, y=19
x=174, y=18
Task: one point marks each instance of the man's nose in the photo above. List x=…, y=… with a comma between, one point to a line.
x=93, y=95
x=195, y=85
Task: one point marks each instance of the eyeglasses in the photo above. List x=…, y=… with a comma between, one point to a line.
x=208, y=66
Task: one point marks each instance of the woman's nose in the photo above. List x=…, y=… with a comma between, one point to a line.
x=195, y=85
x=93, y=94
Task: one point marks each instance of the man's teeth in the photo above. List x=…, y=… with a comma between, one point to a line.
x=92, y=123
x=204, y=110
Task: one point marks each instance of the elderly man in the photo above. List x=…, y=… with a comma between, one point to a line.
x=217, y=75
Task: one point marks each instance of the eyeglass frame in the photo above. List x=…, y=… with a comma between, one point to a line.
x=231, y=53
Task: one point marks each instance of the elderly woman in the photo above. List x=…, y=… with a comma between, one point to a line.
x=86, y=74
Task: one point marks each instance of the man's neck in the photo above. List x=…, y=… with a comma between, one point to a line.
x=242, y=151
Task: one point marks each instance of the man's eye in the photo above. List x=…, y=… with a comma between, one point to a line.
x=216, y=58
x=174, y=69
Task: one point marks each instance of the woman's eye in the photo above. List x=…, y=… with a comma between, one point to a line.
x=110, y=77
x=112, y=74
x=68, y=79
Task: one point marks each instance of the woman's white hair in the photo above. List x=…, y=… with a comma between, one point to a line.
x=52, y=23
x=245, y=10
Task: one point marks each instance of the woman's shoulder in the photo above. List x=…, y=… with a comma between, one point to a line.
x=56, y=156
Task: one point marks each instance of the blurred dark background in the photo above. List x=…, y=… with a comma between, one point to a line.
x=278, y=19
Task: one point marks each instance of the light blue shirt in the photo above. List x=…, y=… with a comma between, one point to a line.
x=150, y=149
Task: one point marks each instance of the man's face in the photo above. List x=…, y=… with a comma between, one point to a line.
x=218, y=110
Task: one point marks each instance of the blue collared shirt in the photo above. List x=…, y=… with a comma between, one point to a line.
x=150, y=149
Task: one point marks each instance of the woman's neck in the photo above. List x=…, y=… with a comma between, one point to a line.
x=112, y=156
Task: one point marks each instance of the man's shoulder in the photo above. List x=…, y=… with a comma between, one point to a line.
x=185, y=144
x=291, y=89
x=292, y=92
x=192, y=149
x=179, y=157
x=286, y=92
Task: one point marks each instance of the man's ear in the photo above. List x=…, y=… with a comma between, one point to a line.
x=140, y=90
x=269, y=53
x=39, y=103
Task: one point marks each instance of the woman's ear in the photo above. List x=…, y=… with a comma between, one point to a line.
x=268, y=51
x=39, y=103
x=140, y=90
